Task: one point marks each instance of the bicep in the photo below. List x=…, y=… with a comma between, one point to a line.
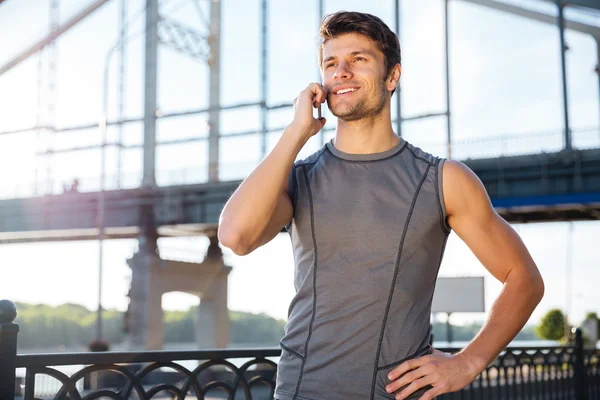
x=471, y=215
x=282, y=216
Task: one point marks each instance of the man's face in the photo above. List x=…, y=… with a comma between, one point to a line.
x=354, y=75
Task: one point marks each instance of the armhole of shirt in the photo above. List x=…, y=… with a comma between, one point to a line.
x=440, y=196
x=292, y=189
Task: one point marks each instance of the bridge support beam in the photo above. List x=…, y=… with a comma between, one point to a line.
x=212, y=320
x=214, y=64
x=152, y=277
x=150, y=79
x=563, y=49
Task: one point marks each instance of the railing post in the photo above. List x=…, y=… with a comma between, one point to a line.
x=8, y=349
x=581, y=390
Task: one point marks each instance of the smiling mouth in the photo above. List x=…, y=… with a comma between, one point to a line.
x=345, y=91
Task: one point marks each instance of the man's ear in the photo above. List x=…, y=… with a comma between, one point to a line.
x=394, y=78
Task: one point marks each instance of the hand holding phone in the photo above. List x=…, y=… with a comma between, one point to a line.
x=312, y=97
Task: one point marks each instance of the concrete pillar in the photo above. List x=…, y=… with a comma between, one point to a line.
x=145, y=300
x=152, y=277
x=155, y=329
x=212, y=322
x=203, y=324
x=137, y=299
x=221, y=310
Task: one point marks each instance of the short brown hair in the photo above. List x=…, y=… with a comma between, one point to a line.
x=369, y=25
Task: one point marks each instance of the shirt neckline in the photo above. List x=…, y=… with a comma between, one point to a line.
x=365, y=157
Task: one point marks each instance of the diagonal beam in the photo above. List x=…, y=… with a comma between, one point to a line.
x=183, y=39
x=537, y=16
x=581, y=3
x=52, y=36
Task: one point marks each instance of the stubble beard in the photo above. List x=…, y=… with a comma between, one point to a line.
x=363, y=108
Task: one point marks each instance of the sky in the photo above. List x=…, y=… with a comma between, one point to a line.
x=506, y=99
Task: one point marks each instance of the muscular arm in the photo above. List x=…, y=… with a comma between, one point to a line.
x=260, y=206
x=502, y=253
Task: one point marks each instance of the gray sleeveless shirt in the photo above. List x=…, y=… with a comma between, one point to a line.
x=368, y=234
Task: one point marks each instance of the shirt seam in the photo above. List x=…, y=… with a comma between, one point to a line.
x=368, y=161
x=302, y=164
x=418, y=353
x=430, y=163
x=396, y=269
x=294, y=197
x=284, y=347
x=439, y=197
x=315, y=264
x=444, y=243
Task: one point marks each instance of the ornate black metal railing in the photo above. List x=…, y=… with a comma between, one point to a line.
x=559, y=372
x=152, y=375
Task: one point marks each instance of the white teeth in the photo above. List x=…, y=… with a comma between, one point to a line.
x=346, y=91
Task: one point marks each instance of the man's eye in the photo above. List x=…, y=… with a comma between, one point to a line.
x=329, y=65
x=360, y=59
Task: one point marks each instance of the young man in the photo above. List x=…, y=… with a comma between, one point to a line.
x=369, y=215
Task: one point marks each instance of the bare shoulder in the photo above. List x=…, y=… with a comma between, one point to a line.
x=472, y=217
x=464, y=192
x=455, y=172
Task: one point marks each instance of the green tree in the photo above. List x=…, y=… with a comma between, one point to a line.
x=593, y=316
x=552, y=325
x=255, y=329
x=72, y=326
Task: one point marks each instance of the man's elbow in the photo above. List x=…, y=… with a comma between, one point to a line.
x=232, y=240
x=535, y=286
x=539, y=288
x=528, y=282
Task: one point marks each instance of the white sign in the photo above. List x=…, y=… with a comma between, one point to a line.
x=463, y=294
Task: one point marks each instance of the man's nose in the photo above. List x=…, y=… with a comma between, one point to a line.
x=343, y=71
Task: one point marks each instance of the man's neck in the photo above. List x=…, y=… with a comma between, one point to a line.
x=365, y=136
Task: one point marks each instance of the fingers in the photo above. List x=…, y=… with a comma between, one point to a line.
x=312, y=97
x=432, y=393
x=414, y=386
x=317, y=93
x=444, y=373
x=314, y=93
x=407, y=366
x=412, y=376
